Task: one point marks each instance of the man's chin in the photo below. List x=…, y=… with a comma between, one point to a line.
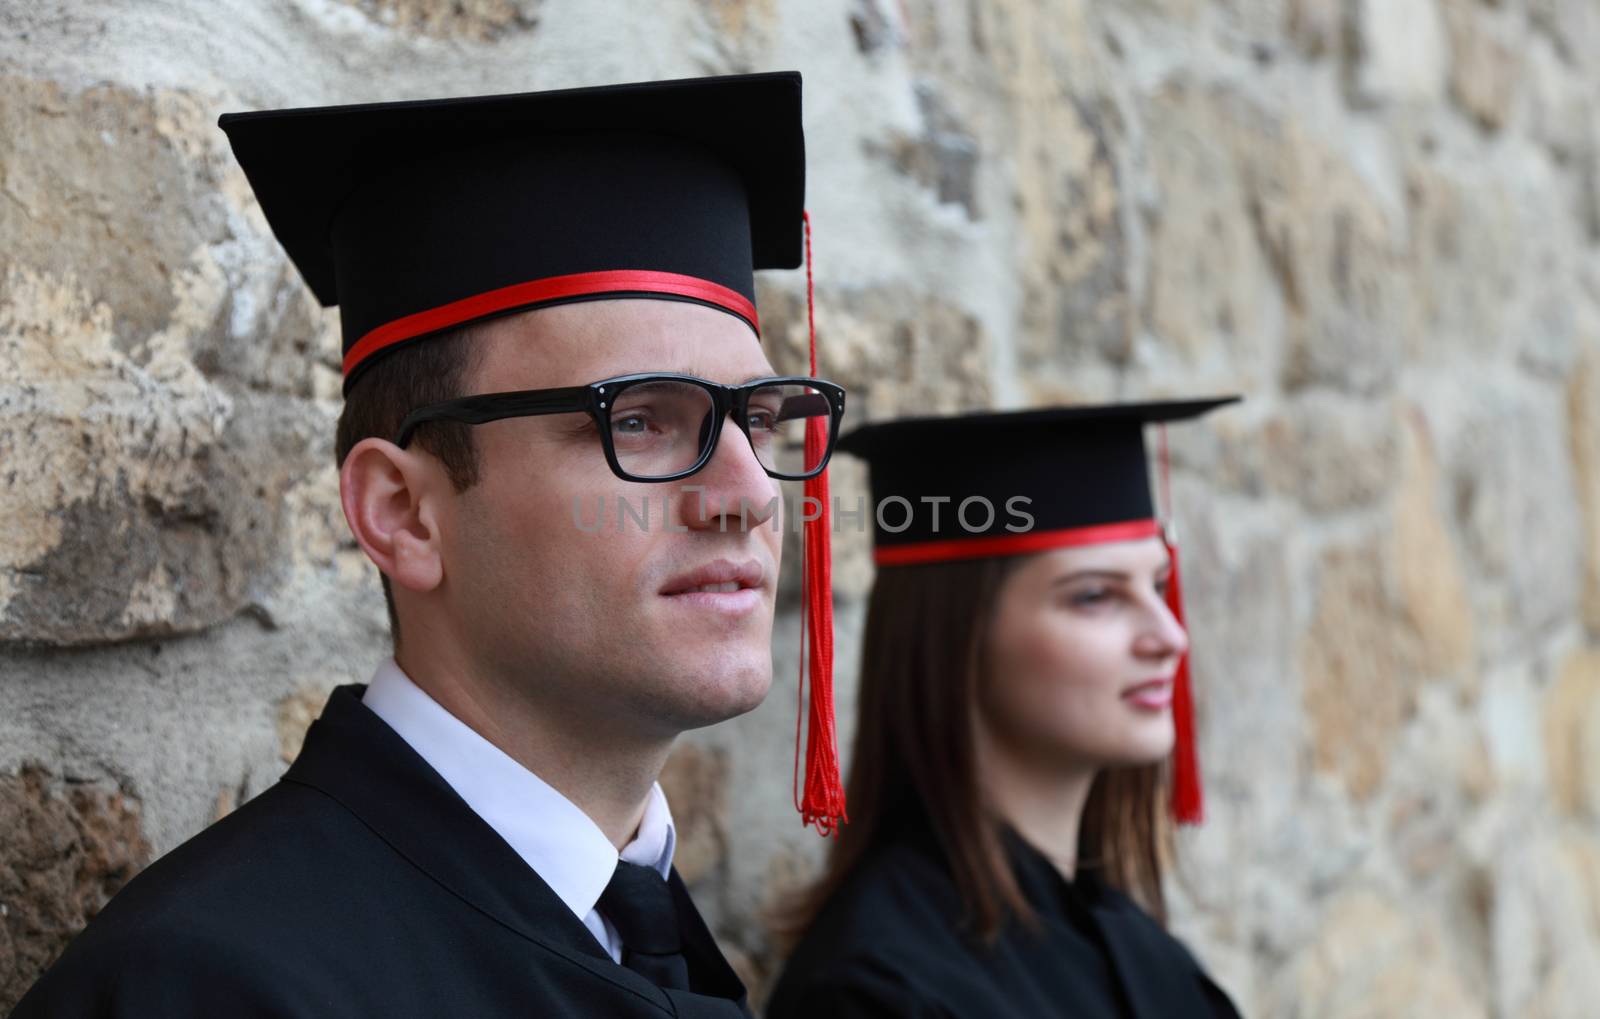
x=723, y=694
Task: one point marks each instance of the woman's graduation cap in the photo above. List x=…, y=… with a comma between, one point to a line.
x=419, y=217
x=1020, y=482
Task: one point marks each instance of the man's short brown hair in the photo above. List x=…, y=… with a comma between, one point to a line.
x=426, y=371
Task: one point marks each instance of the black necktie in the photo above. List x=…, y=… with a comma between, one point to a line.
x=639, y=905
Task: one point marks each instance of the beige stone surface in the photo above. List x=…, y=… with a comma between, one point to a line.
x=1583, y=413
x=1399, y=51
x=1485, y=69
x=1210, y=299
x=1573, y=26
x=1379, y=220
x=1543, y=927
x=1507, y=464
x=696, y=783
x=297, y=711
x=124, y=449
x=478, y=20
x=1331, y=453
x=1388, y=614
x=1431, y=584
x=1465, y=257
x=1358, y=690
x=1316, y=26
x=65, y=848
x=1373, y=959
x=1572, y=735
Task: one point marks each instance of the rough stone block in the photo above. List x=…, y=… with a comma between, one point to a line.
x=696, y=783
x=1359, y=691
x=1573, y=26
x=479, y=20
x=1211, y=295
x=1316, y=27
x=1337, y=249
x=1332, y=453
x=1583, y=418
x=1514, y=498
x=1466, y=259
x=1543, y=928
x=1431, y=585
x=1485, y=69
x=1399, y=52
x=153, y=361
x=65, y=848
x=1572, y=735
x=1389, y=613
x=1373, y=957
x=1075, y=288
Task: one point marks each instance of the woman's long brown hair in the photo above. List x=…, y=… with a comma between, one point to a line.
x=921, y=664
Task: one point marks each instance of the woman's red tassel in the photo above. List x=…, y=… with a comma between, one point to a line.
x=821, y=800
x=1188, y=800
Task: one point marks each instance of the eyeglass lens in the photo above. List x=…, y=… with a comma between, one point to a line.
x=663, y=427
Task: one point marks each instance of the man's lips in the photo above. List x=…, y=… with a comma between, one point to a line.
x=723, y=576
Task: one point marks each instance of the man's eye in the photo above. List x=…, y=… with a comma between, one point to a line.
x=629, y=424
x=763, y=420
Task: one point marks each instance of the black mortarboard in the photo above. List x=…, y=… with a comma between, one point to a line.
x=415, y=217
x=1027, y=481
x=1053, y=477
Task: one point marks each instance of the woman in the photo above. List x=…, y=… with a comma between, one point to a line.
x=1019, y=672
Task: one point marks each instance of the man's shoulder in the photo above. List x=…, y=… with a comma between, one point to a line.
x=287, y=838
x=282, y=846
x=226, y=914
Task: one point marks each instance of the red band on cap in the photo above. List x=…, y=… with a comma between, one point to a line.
x=1014, y=544
x=553, y=288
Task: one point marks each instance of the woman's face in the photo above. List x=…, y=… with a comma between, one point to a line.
x=1081, y=658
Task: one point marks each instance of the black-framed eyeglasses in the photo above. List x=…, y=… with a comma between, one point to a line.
x=660, y=426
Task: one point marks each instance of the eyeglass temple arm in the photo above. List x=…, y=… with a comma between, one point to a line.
x=477, y=410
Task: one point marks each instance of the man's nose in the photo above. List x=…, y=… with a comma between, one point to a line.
x=732, y=491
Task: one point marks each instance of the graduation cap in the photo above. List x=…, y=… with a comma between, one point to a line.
x=975, y=486
x=415, y=218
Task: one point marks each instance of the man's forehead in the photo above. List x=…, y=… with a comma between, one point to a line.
x=583, y=342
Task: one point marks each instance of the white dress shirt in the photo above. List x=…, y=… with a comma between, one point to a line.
x=549, y=832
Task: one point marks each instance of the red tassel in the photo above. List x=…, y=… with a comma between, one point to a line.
x=821, y=800
x=1188, y=800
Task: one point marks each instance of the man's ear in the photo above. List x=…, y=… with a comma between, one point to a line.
x=390, y=497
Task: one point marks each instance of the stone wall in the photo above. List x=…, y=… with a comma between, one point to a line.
x=1378, y=219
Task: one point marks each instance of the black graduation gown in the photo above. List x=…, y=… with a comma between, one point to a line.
x=888, y=945
x=360, y=885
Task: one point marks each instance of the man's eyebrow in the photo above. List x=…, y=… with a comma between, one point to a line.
x=769, y=373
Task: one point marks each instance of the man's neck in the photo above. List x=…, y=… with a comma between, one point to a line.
x=597, y=767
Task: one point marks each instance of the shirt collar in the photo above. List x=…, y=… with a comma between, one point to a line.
x=551, y=834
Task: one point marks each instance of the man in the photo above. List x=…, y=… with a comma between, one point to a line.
x=547, y=304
